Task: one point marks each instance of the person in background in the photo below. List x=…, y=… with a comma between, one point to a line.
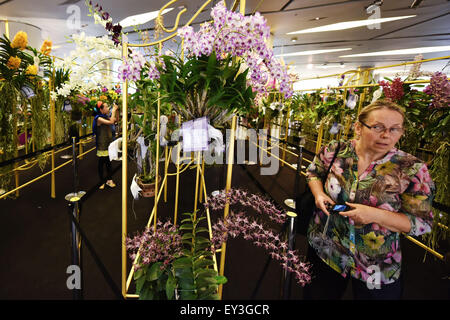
x=102, y=128
x=386, y=192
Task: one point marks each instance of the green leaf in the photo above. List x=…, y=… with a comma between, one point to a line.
x=171, y=284
x=186, y=227
x=205, y=281
x=186, y=236
x=188, y=295
x=221, y=279
x=139, y=284
x=186, y=220
x=154, y=271
x=147, y=294
x=200, y=239
x=184, y=274
x=206, y=273
x=207, y=292
x=202, y=262
x=187, y=214
x=183, y=262
x=139, y=273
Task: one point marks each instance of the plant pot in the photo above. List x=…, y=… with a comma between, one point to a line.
x=148, y=189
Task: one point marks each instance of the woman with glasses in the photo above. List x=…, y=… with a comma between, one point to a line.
x=380, y=192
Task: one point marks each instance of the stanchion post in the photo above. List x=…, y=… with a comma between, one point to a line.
x=75, y=245
x=74, y=162
x=74, y=207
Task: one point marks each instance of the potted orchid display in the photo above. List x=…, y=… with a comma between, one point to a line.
x=174, y=262
x=22, y=69
x=143, y=130
x=227, y=65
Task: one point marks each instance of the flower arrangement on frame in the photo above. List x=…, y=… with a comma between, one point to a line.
x=227, y=64
x=176, y=262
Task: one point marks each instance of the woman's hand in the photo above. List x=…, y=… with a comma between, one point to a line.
x=360, y=213
x=322, y=201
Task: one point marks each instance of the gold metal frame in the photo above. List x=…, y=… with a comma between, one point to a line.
x=200, y=180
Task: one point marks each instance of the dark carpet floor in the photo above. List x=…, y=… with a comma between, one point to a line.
x=35, y=237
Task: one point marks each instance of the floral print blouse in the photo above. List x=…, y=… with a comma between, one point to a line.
x=398, y=182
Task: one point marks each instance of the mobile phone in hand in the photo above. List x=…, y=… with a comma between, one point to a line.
x=339, y=208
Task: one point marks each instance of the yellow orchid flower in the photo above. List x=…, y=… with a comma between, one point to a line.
x=13, y=63
x=32, y=70
x=20, y=40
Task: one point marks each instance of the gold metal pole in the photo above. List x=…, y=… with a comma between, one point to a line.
x=7, y=28
x=420, y=244
x=124, y=172
x=157, y=150
x=166, y=165
x=196, y=184
x=202, y=181
x=149, y=222
x=362, y=97
x=319, y=137
x=227, y=189
x=174, y=34
x=409, y=62
x=364, y=85
x=286, y=133
x=52, y=130
x=208, y=216
x=177, y=184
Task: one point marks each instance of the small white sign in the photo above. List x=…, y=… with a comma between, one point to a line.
x=195, y=135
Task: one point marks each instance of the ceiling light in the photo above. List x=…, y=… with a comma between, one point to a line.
x=317, y=18
x=311, y=52
x=141, y=18
x=349, y=24
x=294, y=39
x=400, y=52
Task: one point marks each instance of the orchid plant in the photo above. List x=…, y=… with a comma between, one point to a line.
x=85, y=63
x=169, y=259
x=174, y=263
x=239, y=224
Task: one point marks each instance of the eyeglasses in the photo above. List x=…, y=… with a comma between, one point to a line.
x=378, y=128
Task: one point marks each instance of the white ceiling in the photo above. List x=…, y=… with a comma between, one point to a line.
x=430, y=27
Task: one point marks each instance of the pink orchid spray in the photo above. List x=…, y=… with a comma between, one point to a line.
x=393, y=91
x=237, y=224
x=163, y=244
x=439, y=88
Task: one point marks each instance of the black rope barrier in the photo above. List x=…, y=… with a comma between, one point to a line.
x=36, y=153
x=75, y=201
x=104, y=271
